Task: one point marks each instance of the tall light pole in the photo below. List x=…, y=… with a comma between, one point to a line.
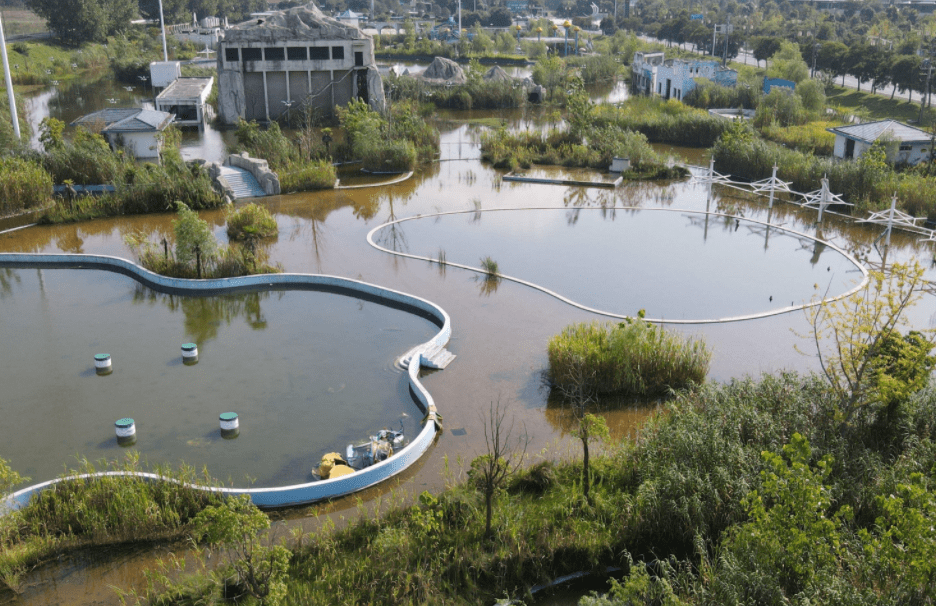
x=162, y=24
x=9, y=83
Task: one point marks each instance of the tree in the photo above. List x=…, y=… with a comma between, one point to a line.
x=788, y=63
x=193, y=236
x=500, y=17
x=252, y=568
x=792, y=538
x=831, y=59
x=9, y=478
x=78, y=21
x=491, y=471
x=905, y=74
x=765, y=47
x=578, y=391
x=864, y=364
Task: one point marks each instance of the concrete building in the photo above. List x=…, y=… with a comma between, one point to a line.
x=187, y=99
x=910, y=145
x=674, y=78
x=130, y=128
x=291, y=60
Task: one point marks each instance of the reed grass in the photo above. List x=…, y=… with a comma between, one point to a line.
x=663, y=121
x=865, y=182
x=490, y=266
x=633, y=358
x=596, y=149
x=249, y=222
x=102, y=510
x=24, y=185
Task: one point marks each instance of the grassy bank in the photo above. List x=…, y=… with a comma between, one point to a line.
x=97, y=512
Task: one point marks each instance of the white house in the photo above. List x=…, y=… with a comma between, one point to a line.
x=674, y=78
x=911, y=145
x=130, y=128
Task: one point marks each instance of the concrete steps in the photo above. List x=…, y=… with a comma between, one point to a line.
x=241, y=183
x=437, y=359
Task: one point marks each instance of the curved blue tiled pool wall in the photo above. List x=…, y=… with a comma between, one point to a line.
x=296, y=494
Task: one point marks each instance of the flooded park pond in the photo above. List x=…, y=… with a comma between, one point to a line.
x=638, y=259
x=307, y=373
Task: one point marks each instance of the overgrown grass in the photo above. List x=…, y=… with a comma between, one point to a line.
x=663, y=121
x=513, y=150
x=249, y=222
x=813, y=137
x=633, y=358
x=296, y=172
x=23, y=185
x=877, y=107
x=387, y=146
x=100, y=511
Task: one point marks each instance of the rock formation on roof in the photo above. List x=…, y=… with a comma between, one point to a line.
x=300, y=23
x=497, y=74
x=444, y=71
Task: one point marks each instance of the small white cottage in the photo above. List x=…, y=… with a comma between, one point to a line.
x=131, y=128
x=910, y=145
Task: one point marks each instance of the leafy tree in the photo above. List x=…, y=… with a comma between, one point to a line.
x=77, y=21
x=905, y=74
x=788, y=63
x=793, y=538
x=9, y=477
x=500, y=17
x=812, y=94
x=901, y=548
x=252, y=568
x=191, y=232
x=765, y=47
x=831, y=59
x=864, y=364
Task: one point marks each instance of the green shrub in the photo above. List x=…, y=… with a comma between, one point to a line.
x=24, y=184
x=316, y=174
x=249, y=222
x=632, y=358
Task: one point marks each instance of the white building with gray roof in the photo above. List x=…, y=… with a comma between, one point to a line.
x=291, y=60
x=131, y=128
x=909, y=145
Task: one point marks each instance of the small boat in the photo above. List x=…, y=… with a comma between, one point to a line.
x=379, y=448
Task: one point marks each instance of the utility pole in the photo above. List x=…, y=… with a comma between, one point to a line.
x=928, y=70
x=815, y=54
x=162, y=24
x=9, y=84
x=724, y=62
x=714, y=31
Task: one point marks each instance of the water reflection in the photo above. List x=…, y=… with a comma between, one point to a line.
x=205, y=315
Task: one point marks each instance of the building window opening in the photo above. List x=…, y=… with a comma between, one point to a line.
x=231, y=55
x=337, y=52
x=274, y=53
x=252, y=54
x=359, y=59
x=318, y=53
x=296, y=53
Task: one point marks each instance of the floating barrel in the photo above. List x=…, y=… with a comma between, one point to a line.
x=230, y=426
x=189, y=353
x=102, y=364
x=126, y=431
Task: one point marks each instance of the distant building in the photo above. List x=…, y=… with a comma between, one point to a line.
x=770, y=83
x=130, y=128
x=349, y=17
x=291, y=60
x=674, y=78
x=910, y=145
x=187, y=99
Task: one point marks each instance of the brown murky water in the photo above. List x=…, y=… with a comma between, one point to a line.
x=499, y=334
